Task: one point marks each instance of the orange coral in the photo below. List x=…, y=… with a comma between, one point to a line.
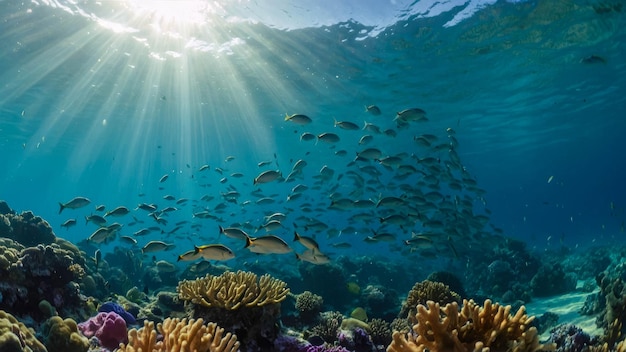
x=474, y=328
x=180, y=335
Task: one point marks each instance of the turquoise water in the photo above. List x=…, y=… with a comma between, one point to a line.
x=102, y=100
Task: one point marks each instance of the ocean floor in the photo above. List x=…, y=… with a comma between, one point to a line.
x=567, y=306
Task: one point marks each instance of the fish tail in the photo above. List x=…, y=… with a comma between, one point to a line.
x=180, y=257
x=295, y=236
x=86, y=219
x=61, y=207
x=196, y=250
x=287, y=117
x=248, y=242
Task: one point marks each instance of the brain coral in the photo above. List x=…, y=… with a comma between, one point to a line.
x=16, y=337
x=63, y=335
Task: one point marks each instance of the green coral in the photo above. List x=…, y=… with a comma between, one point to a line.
x=63, y=335
x=16, y=337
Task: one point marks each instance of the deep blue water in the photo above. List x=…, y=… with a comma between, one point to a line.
x=102, y=102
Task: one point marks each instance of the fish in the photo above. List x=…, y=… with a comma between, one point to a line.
x=347, y=125
x=204, y=167
x=371, y=127
x=593, y=59
x=373, y=109
x=69, y=223
x=413, y=114
x=306, y=136
x=128, y=240
x=163, y=178
x=141, y=232
x=200, y=267
x=269, y=244
x=233, y=232
x=157, y=246
x=370, y=154
x=366, y=139
x=95, y=219
x=298, y=119
x=328, y=137
x=101, y=235
x=190, y=255
x=100, y=207
x=313, y=257
x=164, y=266
x=265, y=163
x=97, y=258
x=271, y=225
x=75, y=203
x=267, y=176
x=147, y=207
x=119, y=211
x=307, y=242
x=214, y=252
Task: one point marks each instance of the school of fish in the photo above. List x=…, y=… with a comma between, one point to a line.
x=421, y=201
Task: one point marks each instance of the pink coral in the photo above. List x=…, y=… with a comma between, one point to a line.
x=108, y=327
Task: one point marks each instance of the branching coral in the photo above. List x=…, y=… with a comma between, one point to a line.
x=233, y=290
x=474, y=328
x=180, y=335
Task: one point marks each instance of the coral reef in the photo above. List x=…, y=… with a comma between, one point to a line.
x=425, y=291
x=473, y=328
x=16, y=337
x=62, y=335
x=116, y=308
x=308, y=306
x=25, y=228
x=240, y=303
x=380, y=332
x=551, y=280
x=180, y=336
x=328, y=327
x=108, y=327
x=570, y=338
x=44, y=272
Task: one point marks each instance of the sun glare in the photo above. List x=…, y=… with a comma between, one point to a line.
x=173, y=11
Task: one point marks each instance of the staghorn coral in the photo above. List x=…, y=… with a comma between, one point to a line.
x=474, y=328
x=425, y=291
x=180, y=335
x=233, y=290
x=16, y=337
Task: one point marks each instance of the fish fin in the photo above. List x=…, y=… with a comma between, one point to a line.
x=287, y=117
x=61, y=207
x=295, y=236
x=248, y=242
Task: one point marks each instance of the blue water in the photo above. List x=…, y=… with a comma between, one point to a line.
x=100, y=101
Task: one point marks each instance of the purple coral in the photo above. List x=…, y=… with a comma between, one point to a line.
x=108, y=327
x=114, y=307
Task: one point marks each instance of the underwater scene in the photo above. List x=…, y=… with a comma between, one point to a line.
x=312, y=176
